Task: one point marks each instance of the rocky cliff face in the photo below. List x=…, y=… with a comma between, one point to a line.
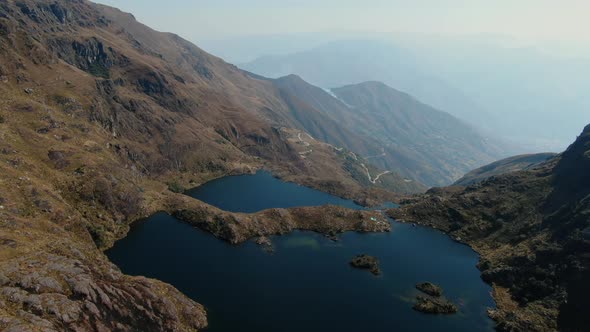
x=531, y=228
x=63, y=289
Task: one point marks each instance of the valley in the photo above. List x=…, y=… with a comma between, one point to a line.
x=148, y=185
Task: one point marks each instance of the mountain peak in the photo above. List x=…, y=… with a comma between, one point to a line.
x=292, y=78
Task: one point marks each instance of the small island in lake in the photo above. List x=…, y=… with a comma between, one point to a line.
x=430, y=289
x=366, y=262
x=265, y=243
x=433, y=302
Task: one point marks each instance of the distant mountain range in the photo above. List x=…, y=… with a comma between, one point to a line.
x=354, y=61
x=532, y=100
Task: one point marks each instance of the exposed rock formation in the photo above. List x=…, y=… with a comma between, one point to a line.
x=434, y=305
x=265, y=242
x=430, y=289
x=239, y=227
x=62, y=288
x=366, y=262
x=433, y=302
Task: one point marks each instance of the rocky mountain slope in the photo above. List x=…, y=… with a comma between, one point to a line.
x=99, y=117
x=507, y=165
x=393, y=130
x=532, y=229
x=435, y=147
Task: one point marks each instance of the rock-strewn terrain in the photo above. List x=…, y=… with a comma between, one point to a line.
x=430, y=289
x=432, y=301
x=434, y=305
x=53, y=291
x=531, y=229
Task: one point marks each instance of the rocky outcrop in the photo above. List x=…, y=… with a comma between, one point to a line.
x=366, y=262
x=433, y=302
x=430, y=289
x=265, y=243
x=239, y=227
x=53, y=291
x=529, y=228
x=434, y=305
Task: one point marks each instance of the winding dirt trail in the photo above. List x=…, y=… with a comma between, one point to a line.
x=369, y=174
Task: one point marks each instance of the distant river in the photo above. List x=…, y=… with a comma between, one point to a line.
x=306, y=284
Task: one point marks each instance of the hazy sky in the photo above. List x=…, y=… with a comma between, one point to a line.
x=528, y=20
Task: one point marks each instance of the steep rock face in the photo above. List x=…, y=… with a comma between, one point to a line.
x=530, y=228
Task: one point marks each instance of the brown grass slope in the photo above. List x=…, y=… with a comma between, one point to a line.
x=98, y=116
x=532, y=229
x=421, y=142
x=390, y=128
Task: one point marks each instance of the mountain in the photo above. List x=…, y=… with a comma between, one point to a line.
x=102, y=121
x=530, y=98
x=346, y=62
x=511, y=164
x=394, y=130
x=532, y=230
x=440, y=147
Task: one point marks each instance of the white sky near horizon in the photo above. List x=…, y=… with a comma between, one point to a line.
x=564, y=21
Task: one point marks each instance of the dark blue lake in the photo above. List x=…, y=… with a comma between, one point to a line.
x=252, y=193
x=306, y=284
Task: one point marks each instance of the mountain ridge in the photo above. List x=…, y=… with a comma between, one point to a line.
x=391, y=128
x=510, y=164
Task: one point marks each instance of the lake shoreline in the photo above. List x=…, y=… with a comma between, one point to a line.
x=237, y=228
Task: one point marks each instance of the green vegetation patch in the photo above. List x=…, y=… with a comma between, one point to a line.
x=99, y=70
x=176, y=187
